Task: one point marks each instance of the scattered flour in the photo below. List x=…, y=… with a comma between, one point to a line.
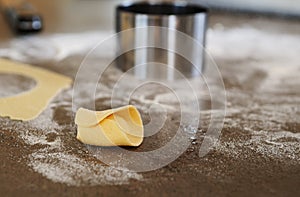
x=282, y=145
x=258, y=113
x=52, y=47
x=65, y=168
x=264, y=112
x=55, y=163
x=52, y=158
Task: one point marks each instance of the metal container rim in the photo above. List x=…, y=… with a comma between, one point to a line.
x=162, y=8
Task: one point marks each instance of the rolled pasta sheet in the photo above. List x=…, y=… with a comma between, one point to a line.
x=115, y=127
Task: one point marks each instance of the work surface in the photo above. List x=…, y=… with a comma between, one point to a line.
x=258, y=151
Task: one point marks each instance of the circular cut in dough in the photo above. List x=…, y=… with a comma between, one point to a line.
x=28, y=105
x=11, y=84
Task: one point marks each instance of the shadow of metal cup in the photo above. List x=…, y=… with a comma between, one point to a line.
x=151, y=25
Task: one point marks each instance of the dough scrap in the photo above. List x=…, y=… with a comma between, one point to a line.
x=28, y=105
x=115, y=127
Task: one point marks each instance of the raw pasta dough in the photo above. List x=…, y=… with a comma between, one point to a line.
x=28, y=105
x=116, y=127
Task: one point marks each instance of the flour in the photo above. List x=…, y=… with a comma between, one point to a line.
x=247, y=42
x=266, y=112
x=52, y=47
x=52, y=157
x=65, y=168
x=253, y=110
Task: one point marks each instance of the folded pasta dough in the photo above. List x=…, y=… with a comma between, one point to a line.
x=115, y=127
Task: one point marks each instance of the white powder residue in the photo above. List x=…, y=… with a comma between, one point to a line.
x=55, y=163
x=44, y=121
x=62, y=167
x=247, y=42
x=52, y=157
x=80, y=43
x=253, y=112
x=53, y=47
x=41, y=139
x=281, y=145
x=264, y=71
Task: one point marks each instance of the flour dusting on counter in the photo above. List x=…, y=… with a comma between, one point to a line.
x=263, y=92
x=54, y=47
x=262, y=120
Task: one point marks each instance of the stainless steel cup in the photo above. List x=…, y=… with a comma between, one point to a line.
x=140, y=19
